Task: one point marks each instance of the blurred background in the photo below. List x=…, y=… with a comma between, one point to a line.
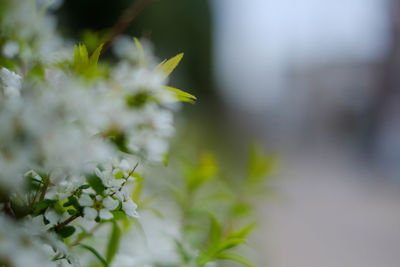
x=316, y=83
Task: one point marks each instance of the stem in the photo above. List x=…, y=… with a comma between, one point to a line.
x=8, y=210
x=126, y=179
x=123, y=22
x=78, y=240
x=44, y=189
x=66, y=222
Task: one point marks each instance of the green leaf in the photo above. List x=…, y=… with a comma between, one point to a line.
x=119, y=215
x=97, y=254
x=185, y=256
x=71, y=212
x=140, y=51
x=243, y=232
x=236, y=258
x=85, y=66
x=76, y=56
x=137, y=191
x=206, y=170
x=84, y=55
x=36, y=72
x=96, y=183
x=94, y=58
x=181, y=95
x=165, y=159
x=168, y=66
x=85, y=186
x=203, y=258
x=41, y=206
x=66, y=231
x=230, y=243
x=215, y=232
x=259, y=164
x=113, y=243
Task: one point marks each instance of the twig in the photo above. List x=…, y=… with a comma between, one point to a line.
x=66, y=222
x=78, y=240
x=123, y=22
x=44, y=189
x=126, y=179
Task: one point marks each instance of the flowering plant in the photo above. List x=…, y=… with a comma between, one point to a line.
x=75, y=136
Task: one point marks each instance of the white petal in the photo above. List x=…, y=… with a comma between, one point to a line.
x=124, y=165
x=99, y=173
x=110, y=203
x=129, y=207
x=105, y=214
x=10, y=49
x=119, y=195
x=89, y=213
x=11, y=82
x=52, y=216
x=85, y=201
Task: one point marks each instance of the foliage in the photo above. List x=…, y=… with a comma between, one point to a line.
x=76, y=137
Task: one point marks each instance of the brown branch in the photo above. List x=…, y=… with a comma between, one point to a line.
x=82, y=237
x=126, y=179
x=124, y=21
x=66, y=222
x=44, y=189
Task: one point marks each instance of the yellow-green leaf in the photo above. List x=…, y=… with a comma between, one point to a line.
x=84, y=56
x=237, y=258
x=168, y=66
x=140, y=51
x=181, y=95
x=94, y=58
x=113, y=243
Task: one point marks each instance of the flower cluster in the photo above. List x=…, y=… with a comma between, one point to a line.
x=72, y=132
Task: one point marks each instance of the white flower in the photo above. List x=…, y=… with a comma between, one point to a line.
x=108, y=178
x=10, y=49
x=90, y=213
x=54, y=218
x=22, y=244
x=85, y=200
x=98, y=207
x=129, y=207
x=124, y=167
x=10, y=82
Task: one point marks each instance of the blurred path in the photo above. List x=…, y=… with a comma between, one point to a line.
x=330, y=212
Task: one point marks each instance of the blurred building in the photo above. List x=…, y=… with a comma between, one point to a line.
x=308, y=71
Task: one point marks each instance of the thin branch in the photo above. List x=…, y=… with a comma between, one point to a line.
x=66, y=222
x=87, y=234
x=124, y=21
x=44, y=189
x=126, y=179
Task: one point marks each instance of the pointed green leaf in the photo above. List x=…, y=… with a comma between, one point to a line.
x=181, y=95
x=94, y=58
x=84, y=56
x=95, y=253
x=165, y=159
x=236, y=258
x=76, y=56
x=140, y=51
x=113, y=243
x=230, y=243
x=167, y=67
x=243, y=232
x=215, y=232
x=66, y=231
x=96, y=183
